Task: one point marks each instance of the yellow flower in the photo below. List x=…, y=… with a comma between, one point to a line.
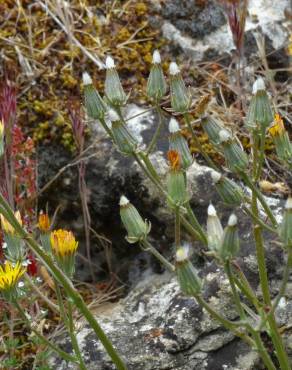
x=63, y=243
x=278, y=127
x=44, y=222
x=7, y=228
x=10, y=275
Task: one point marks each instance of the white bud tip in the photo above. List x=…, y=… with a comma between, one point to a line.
x=173, y=126
x=182, y=253
x=109, y=62
x=124, y=201
x=288, y=204
x=224, y=135
x=113, y=115
x=216, y=176
x=173, y=69
x=212, y=211
x=232, y=220
x=156, y=59
x=259, y=84
x=86, y=79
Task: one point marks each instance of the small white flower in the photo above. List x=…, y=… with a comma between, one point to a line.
x=288, y=204
x=124, y=201
x=224, y=136
x=212, y=210
x=259, y=84
x=86, y=79
x=173, y=126
x=21, y=284
x=156, y=59
x=4, y=245
x=173, y=69
x=183, y=253
x=232, y=220
x=113, y=115
x=109, y=62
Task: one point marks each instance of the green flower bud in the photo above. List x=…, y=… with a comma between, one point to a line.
x=137, y=228
x=123, y=138
x=228, y=190
x=94, y=104
x=179, y=95
x=236, y=158
x=188, y=279
x=113, y=88
x=286, y=225
x=214, y=229
x=281, y=140
x=212, y=128
x=156, y=85
x=175, y=181
x=230, y=241
x=260, y=114
x=178, y=143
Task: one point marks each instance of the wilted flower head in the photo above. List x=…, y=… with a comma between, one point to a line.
x=174, y=159
x=278, y=127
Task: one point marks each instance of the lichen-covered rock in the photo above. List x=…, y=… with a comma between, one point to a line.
x=157, y=328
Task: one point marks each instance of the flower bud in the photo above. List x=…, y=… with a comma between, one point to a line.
x=214, y=229
x=64, y=248
x=260, y=113
x=156, y=85
x=281, y=140
x=175, y=181
x=230, y=241
x=179, y=95
x=236, y=158
x=2, y=148
x=15, y=246
x=212, y=128
x=178, y=143
x=44, y=226
x=286, y=225
x=94, y=104
x=136, y=227
x=122, y=137
x=113, y=88
x=188, y=279
x=229, y=191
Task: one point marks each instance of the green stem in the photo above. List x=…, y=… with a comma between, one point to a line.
x=177, y=227
x=107, y=129
x=243, y=284
x=74, y=341
x=195, y=223
x=260, y=197
x=260, y=252
x=149, y=248
x=157, y=131
x=64, y=281
x=259, y=221
x=197, y=142
x=189, y=228
x=226, y=323
x=66, y=356
x=281, y=290
x=262, y=351
x=262, y=154
x=235, y=294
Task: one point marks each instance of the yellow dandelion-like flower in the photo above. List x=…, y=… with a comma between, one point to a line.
x=278, y=127
x=7, y=228
x=10, y=275
x=63, y=243
x=44, y=222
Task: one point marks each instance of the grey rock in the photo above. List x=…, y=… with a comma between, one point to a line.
x=155, y=327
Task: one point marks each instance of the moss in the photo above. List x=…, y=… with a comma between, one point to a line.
x=109, y=28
